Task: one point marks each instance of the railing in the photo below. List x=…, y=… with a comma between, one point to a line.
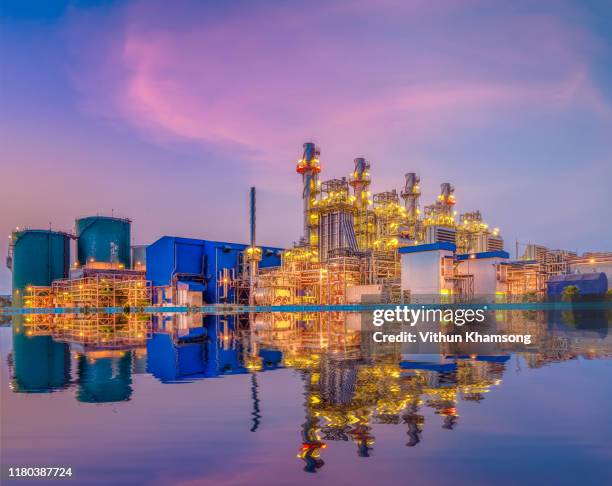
x=222, y=309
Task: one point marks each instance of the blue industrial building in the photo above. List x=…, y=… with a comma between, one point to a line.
x=595, y=283
x=199, y=264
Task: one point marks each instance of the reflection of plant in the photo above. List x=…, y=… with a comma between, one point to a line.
x=529, y=297
x=570, y=293
x=569, y=317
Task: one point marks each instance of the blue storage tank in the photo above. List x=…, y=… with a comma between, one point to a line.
x=595, y=283
x=38, y=257
x=103, y=239
x=198, y=262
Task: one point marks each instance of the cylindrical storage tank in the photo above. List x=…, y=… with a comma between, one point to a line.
x=139, y=257
x=38, y=258
x=103, y=239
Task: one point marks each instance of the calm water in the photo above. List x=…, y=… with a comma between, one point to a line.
x=305, y=400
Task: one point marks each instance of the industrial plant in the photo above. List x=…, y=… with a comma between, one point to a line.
x=355, y=245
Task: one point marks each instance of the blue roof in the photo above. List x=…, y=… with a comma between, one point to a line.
x=440, y=245
x=229, y=245
x=484, y=254
x=576, y=277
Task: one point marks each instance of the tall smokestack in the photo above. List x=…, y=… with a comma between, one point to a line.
x=360, y=180
x=309, y=167
x=410, y=195
x=252, y=218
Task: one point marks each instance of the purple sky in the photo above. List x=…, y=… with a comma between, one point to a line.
x=167, y=112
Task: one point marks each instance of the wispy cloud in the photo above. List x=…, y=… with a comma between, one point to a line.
x=259, y=77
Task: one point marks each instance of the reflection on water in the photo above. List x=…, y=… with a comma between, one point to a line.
x=39, y=364
x=351, y=386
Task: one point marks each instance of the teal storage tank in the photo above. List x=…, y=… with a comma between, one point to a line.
x=103, y=239
x=38, y=257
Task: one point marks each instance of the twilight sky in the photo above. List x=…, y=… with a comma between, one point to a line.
x=167, y=111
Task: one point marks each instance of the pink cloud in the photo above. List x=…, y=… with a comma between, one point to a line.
x=255, y=83
x=260, y=79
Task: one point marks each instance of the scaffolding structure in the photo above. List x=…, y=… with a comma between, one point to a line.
x=441, y=213
x=96, y=289
x=391, y=219
x=538, y=264
x=305, y=282
x=474, y=235
x=526, y=278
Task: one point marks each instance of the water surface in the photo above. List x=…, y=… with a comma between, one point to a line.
x=304, y=400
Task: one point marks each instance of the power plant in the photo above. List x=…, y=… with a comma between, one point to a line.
x=354, y=245
x=358, y=245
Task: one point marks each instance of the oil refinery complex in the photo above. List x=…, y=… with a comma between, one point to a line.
x=355, y=246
